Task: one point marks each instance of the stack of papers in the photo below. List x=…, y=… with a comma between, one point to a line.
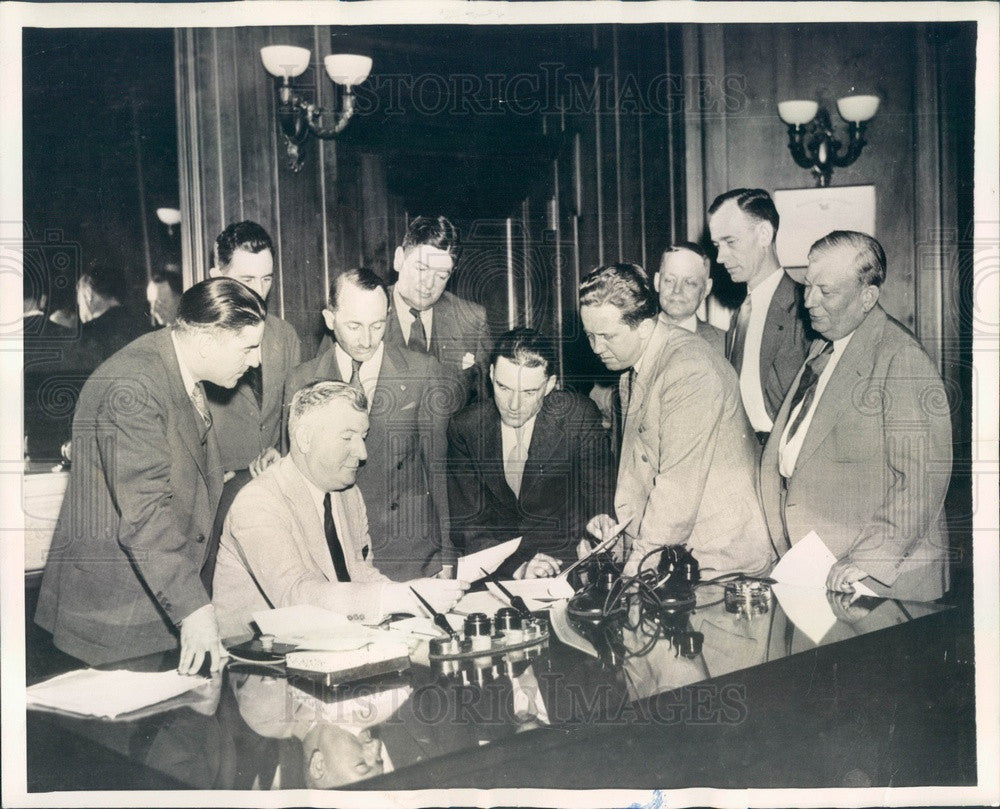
x=108, y=694
x=314, y=628
x=538, y=594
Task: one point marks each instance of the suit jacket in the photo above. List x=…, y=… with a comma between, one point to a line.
x=784, y=344
x=51, y=389
x=106, y=334
x=716, y=337
x=687, y=468
x=874, y=468
x=459, y=329
x=403, y=479
x=273, y=553
x=568, y=478
x=243, y=429
x=131, y=535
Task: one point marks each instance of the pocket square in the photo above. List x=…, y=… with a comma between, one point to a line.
x=468, y=360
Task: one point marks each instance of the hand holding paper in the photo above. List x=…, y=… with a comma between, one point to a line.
x=471, y=566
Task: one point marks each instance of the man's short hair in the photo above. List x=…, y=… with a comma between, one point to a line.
x=754, y=202
x=525, y=347
x=320, y=394
x=244, y=235
x=869, y=257
x=435, y=231
x=360, y=277
x=219, y=303
x=171, y=279
x=624, y=286
x=106, y=280
x=691, y=247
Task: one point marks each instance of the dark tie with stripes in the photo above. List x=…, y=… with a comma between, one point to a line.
x=806, y=391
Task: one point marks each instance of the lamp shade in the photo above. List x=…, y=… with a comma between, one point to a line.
x=797, y=112
x=285, y=61
x=168, y=216
x=855, y=109
x=348, y=68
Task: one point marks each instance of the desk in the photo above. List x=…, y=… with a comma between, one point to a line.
x=885, y=699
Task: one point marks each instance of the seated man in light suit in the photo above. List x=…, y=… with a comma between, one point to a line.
x=298, y=532
x=683, y=282
x=686, y=474
x=861, y=448
x=534, y=462
x=411, y=397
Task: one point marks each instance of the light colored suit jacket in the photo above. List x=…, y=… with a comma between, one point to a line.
x=716, y=337
x=132, y=533
x=687, y=471
x=874, y=468
x=403, y=479
x=273, y=553
x=242, y=428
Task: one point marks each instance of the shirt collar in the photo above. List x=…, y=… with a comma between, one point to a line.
x=765, y=289
x=344, y=361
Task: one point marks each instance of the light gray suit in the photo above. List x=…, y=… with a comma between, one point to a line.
x=687, y=468
x=273, y=553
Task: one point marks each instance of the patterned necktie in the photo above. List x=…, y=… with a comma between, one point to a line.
x=513, y=468
x=418, y=337
x=333, y=541
x=806, y=391
x=256, y=378
x=198, y=400
x=356, y=375
x=740, y=336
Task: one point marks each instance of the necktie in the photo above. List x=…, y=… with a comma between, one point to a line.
x=513, y=468
x=333, y=541
x=629, y=386
x=198, y=400
x=740, y=335
x=356, y=375
x=418, y=337
x=806, y=390
x=256, y=378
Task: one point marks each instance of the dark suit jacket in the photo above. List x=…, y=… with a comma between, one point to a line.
x=874, y=468
x=243, y=429
x=50, y=388
x=104, y=335
x=784, y=344
x=130, y=540
x=459, y=329
x=568, y=478
x=403, y=480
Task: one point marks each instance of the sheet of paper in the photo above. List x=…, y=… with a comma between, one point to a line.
x=108, y=694
x=807, y=608
x=471, y=566
x=424, y=628
x=483, y=601
x=538, y=594
x=808, y=564
x=559, y=621
x=314, y=628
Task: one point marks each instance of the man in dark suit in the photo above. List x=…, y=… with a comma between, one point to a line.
x=163, y=292
x=106, y=326
x=534, y=462
x=767, y=340
x=247, y=418
x=123, y=575
x=683, y=283
x=410, y=398
x=426, y=318
x=861, y=448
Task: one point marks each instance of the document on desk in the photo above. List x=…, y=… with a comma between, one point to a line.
x=471, y=566
x=314, y=628
x=538, y=594
x=107, y=694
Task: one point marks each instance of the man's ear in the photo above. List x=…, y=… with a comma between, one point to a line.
x=205, y=341
x=646, y=327
x=708, y=289
x=317, y=767
x=214, y=272
x=301, y=438
x=765, y=233
x=656, y=281
x=329, y=318
x=397, y=259
x=869, y=297
x=550, y=384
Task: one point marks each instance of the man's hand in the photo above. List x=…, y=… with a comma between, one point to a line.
x=842, y=576
x=442, y=594
x=264, y=460
x=540, y=567
x=200, y=636
x=844, y=609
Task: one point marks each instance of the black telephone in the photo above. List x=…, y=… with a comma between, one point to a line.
x=677, y=573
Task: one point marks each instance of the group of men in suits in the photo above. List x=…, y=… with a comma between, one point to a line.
x=397, y=458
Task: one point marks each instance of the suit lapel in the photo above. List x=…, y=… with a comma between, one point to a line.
x=782, y=302
x=443, y=317
x=294, y=487
x=842, y=387
x=492, y=457
x=192, y=430
x=637, y=395
x=270, y=361
x=393, y=331
x=394, y=368
x=546, y=439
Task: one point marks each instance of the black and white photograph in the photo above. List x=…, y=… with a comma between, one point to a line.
x=466, y=403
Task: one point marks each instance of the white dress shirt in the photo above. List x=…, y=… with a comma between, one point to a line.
x=318, y=496
x=788, y=450
x=750, y=385
x=367, y=373
x=406, y=318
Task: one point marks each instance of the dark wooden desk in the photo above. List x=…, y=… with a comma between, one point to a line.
x=887, y=699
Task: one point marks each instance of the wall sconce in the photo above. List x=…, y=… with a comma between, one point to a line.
x=810, y=133
x=300, y=118
x=169, y=217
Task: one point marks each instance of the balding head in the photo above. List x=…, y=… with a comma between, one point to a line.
x=682, y=281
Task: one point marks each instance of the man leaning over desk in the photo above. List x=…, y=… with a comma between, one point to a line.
x=298, y=533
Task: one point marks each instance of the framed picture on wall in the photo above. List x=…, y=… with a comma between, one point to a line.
x=808, y=214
